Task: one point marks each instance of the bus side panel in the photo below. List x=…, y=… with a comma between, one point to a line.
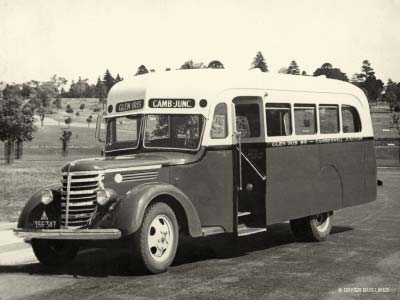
x=370, y=171
x=291, y=182
x=351, y=164
x=209, y=185
x=330, y=185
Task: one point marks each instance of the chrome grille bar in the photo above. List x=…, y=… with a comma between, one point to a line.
x=67, y=206
x=78, y=198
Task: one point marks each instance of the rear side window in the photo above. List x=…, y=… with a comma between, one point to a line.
x=219, y=127
x=305, y=119
x=248, y=120
x=329, y=118
x=350, y=119
x=279, y=120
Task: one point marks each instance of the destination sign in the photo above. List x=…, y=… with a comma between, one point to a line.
x=130, y=105
x=171, y=103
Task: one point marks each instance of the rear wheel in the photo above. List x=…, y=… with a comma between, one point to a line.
x=312, y=228
x=156, y=241
x=54, y=252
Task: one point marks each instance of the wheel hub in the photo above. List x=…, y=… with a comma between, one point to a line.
x=160, y=237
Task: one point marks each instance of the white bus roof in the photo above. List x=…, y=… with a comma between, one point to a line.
x=208, y=84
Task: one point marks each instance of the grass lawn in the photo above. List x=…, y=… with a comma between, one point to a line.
x=382, y=123
x=20, y=180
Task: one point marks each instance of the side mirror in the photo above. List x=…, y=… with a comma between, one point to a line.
x=98, y=128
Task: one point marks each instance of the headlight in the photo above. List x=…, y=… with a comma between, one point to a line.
x=103, y=196
x=46, y=196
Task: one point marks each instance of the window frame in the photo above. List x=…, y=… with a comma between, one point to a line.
x=358, y=119
x=226, y=121
x=122, y=145
x=303, y=106
x=145, y=117
x=339, y=123
x=279, y=106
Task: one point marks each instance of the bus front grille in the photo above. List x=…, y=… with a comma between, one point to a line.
x=78, y=200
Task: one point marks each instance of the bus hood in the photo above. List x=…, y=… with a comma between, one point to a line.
x=128, y=161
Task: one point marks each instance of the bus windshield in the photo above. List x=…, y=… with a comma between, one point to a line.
x=173, y=131
x=124, y=132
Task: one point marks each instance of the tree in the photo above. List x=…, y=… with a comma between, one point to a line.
x=57, y=103
x=215, y=64
x=367, y=81
x=141, y=70
x=330, y=72
x=391, y=94
x=82, y=106
x=191, y=65
x=101, y=92
x=66, y=137
x=366, y=69
x=118, y=78
x=304, y=73
x=69, y=109
x=16, y=120
x=108, y=80
x=89, y=120
x=26, y=90
x=259, y=62
x=81, y=89
x=293, y=68
x=42, y=113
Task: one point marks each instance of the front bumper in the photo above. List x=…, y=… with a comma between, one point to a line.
x=68, y=234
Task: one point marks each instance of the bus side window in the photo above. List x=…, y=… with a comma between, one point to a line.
x=305, y=119
x=219, y=126
x=350, y=119
x=248, y=120
x=279, y=120
x=329, y=118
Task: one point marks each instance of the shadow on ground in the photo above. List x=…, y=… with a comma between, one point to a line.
x=116, y=262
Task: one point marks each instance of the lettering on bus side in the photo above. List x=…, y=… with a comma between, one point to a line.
x=130, y=105
x=171, y=103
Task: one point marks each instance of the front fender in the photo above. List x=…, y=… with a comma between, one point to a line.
x=35, y=206
x=130, y=211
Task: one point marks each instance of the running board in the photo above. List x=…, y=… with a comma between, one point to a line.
x=243, y=213
x=212, y=230
x=244, y=230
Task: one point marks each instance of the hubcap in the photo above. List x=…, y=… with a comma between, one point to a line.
x=160, y=238
x=322, y=221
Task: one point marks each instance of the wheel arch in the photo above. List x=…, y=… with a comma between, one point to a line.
x=130, y=211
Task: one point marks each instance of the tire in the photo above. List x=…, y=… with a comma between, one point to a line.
x=156, y=240
x=314, y=228
x=54, y=252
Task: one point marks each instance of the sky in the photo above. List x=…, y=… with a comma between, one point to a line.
x=72, y=38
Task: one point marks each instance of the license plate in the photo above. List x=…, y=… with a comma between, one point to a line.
x=40, y=224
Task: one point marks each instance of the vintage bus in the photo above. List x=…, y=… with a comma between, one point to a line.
x=204, y=152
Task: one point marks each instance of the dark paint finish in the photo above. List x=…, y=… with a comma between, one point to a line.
x=252, y=196
x=135, y=159
x=301, y=181
x=316, y=178
x=208, y=184
x=34, y=206
x=291, y=184
x=129, y=213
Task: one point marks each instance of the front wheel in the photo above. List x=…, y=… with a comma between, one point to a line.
x=54, y=252
x=156, y=241
x=312, y=228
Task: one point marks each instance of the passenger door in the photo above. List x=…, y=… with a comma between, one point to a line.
x=251, y=166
